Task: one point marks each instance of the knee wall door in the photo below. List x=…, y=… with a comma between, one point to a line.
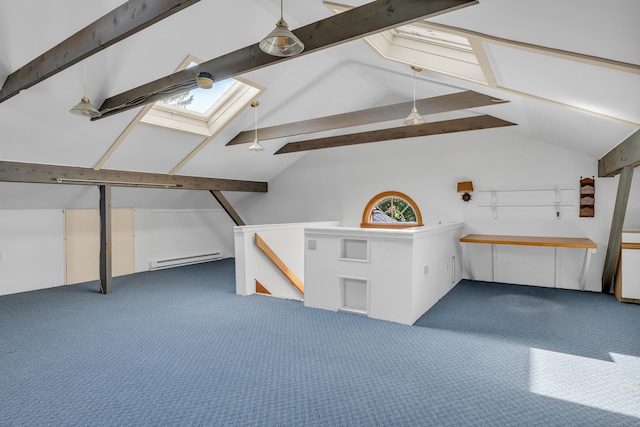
x=82, y=244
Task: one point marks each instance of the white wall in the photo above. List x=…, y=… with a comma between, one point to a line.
x=170, y=233
x=332, y=184
x=394, y=275
x=31, y=249
x=168, y=224
x=336, y=184
x=287, y=242
x=63, y=196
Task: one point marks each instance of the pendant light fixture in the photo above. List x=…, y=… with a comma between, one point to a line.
x=414, y=118
x=84, y=107
x=204, y=80
x=281, y=41
x=256, y=146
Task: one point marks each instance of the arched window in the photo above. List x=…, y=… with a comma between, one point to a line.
x=391, y=209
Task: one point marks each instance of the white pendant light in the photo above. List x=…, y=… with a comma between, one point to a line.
x=84, y=107
x=256, y=146
x=414, y=118
x=281, y=41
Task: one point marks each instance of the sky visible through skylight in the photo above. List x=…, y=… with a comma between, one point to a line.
x=203, y=111
x=203, y=99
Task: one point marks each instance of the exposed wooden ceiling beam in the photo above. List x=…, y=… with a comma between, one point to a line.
x=627, y=153
x=437, y=104
x=353, y=24
x=120, y=23
x=53, y=174
x=435, y=128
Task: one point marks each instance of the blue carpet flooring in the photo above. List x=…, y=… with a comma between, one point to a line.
x=178, y=348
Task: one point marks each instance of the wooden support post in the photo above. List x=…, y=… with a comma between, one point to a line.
x=615, y=235
x=227, y=207
x=105, y=239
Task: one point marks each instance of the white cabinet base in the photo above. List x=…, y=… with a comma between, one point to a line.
x=627, y=287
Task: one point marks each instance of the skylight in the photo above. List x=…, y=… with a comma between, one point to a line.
x=435, y=37
x=203, y=111
x=199, y=100
x=422, y=45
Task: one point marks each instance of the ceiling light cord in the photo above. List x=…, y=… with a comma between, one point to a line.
x=414, y=88
x=84, y=107
x=84, y=83
x=414, y=118
x=255, y=116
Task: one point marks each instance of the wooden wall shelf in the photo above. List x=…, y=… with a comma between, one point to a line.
x=587, y=197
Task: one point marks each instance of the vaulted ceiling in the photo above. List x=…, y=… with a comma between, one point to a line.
x=569, y=70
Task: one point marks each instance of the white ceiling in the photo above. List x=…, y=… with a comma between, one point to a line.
x=571, y=103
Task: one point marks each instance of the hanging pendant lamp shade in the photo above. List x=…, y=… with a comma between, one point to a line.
x=84, y=107
x=414, y=118
x=256, y=146
x=281, y=41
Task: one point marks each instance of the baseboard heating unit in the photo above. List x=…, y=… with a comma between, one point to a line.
x=176, y=262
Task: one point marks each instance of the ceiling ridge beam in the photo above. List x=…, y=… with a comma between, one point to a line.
x=543, y=50
x=392, y=134
x=54, y=174
x=122, y=22
x=477, y=39
x=433, y=105
x=353, y=24
x=569, y=106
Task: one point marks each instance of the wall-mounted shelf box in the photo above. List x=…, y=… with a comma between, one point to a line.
x=587, y=197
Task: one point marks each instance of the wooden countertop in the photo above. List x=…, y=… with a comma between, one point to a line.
x=565, y=242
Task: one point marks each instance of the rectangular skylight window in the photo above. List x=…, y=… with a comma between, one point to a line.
x=429, y=35
x=203, y=111
x=422, y=45
x=199, y=100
